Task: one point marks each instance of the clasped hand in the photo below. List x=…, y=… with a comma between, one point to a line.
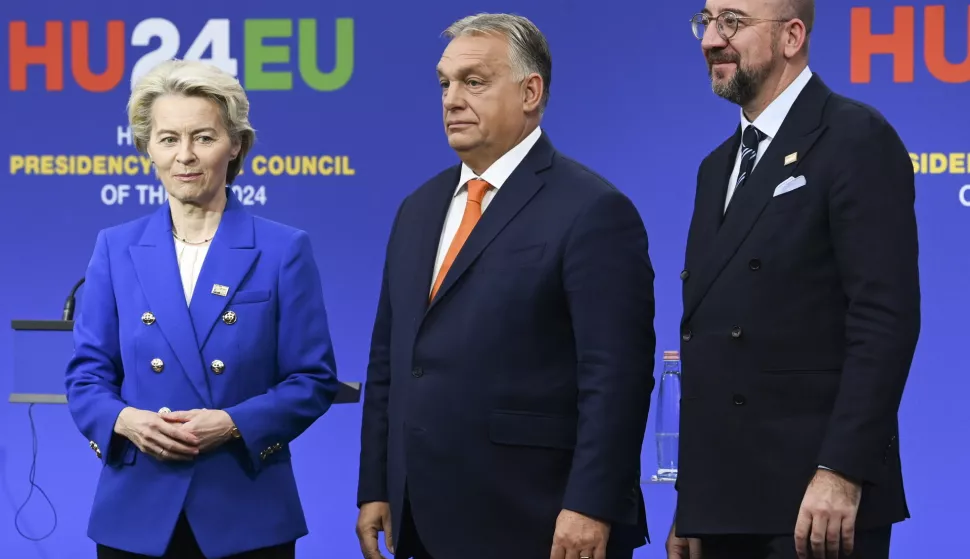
x=179, y=435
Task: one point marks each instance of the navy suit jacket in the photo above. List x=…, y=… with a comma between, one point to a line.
x=524, y=387
x=801, y=316
x=278, y=377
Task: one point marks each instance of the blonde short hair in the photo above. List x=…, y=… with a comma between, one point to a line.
x=193, y=79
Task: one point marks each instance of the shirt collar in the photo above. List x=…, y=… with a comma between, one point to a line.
x=499, y=172
x=771, y=119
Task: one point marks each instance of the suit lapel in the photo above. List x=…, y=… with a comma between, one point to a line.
x=157, y=269
x=520, y=187
x=440, y=196
x=712, y=191
x=724, y=165
x=799, y=132
x=228, y=262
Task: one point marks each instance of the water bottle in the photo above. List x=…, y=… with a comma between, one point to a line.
x=668, y=419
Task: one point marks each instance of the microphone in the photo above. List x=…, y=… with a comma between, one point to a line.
x=69, y=304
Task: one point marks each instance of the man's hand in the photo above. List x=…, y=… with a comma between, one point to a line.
x=373, y=519
x=156, y=437
x=210, y=427
x=579, y=537
x=682, y=548
x=828, y=511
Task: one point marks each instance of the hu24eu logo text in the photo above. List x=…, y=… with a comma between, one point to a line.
x=63, y=51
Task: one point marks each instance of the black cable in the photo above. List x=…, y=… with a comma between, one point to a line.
x=33, y=473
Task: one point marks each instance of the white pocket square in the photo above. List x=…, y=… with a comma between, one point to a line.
x=789, y=184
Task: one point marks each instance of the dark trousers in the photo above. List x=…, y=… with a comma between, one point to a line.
x=407, y=544
x=869, y=544
x=184, y=546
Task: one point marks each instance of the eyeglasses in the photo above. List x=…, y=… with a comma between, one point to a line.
x=727, y=23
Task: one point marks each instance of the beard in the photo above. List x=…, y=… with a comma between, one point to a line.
x=746, y=82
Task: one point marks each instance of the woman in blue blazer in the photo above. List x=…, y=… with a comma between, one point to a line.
x=202, y=345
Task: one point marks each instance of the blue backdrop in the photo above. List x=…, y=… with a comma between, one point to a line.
x=350, y=85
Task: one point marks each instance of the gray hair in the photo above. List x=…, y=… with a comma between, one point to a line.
x=803, y=10
x=528, y=50
x=193, y=79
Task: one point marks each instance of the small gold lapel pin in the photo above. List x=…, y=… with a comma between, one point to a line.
x=220, y=290
x=791, y=158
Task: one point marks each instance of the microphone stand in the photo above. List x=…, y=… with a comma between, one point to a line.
x=69, y=304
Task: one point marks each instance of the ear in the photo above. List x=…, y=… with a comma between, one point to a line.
x=795, y=37
x=236, y=147
x=532, y=91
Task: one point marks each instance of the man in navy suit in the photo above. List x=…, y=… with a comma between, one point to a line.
x=512, y=355
x=801, y=307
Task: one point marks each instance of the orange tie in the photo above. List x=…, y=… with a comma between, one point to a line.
x=473, y=211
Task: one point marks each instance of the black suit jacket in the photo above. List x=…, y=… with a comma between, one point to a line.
x=524, y=387
x=801, y=316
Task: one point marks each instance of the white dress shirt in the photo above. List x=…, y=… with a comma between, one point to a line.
x=496, y=175
x=769, y=122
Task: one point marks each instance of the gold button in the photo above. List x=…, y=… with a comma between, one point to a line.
x=218, y=366
x=148, y=318
x=229, y=317
x=157, y=365
x=164, y=410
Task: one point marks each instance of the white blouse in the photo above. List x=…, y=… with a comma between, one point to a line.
x=190, y=259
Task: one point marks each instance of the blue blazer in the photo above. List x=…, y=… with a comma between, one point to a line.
x=524, y=387
x=277, y=377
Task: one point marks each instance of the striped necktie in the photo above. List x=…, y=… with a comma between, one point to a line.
x=749, y=153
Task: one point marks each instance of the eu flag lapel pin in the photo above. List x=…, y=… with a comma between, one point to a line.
x=791, y=158
x=220, y=290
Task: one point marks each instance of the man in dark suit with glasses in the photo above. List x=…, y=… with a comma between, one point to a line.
x=801, y=307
